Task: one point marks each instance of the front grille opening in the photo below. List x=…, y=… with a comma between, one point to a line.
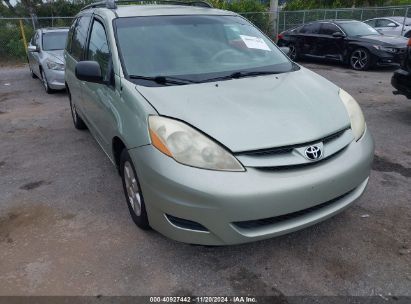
x=285, y=217
x=186, y=224
x=289, y=149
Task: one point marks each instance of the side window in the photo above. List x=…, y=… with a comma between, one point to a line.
x=70, y=36
x=329, y=29
x=371, y=23
x=78, y=42
x=312, y=28
x=37, y=39
x=98, y=49
x=383, y=22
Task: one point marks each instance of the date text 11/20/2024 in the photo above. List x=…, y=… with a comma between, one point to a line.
x=174, y=299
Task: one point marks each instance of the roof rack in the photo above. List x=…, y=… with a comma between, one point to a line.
x=112, y=4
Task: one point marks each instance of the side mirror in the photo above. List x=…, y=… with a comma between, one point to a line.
x=285, y=50
x=89, y=71
x=392, y=24
x=338, y=35
x=33, y=48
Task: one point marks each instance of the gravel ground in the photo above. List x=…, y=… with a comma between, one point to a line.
x=65, y=228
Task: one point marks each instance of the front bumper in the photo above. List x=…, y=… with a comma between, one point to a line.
x=55, y=79
x=221, y=201
x=387, y=59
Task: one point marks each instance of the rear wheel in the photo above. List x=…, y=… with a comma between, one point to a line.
x=77, y=121
x=360, y=59
x=293, y=54
x=132, y=191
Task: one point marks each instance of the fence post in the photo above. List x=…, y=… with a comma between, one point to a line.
x=304, y=17
x=23, y=35
x=405, y=19
x=336, y=15
x=362, y=13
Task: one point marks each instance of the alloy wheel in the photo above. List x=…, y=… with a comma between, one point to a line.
x=293, y=52
x=359, y=59
x=133, y=190
x=44, y=81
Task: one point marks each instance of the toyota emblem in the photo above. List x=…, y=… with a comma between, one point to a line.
x=313, y=152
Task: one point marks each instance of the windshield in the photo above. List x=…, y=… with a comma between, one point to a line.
x=358, y=29
x=195, y=47
x=53, y=41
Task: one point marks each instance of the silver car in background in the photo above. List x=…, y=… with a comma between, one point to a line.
x=45, y=57
x=393, y=26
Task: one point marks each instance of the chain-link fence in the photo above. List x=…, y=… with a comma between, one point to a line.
x=290, y=19
x=12, y=40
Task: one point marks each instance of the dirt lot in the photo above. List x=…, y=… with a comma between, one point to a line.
x=65, y=229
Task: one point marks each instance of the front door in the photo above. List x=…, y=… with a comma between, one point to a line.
x=331, y=47
x=99, y=99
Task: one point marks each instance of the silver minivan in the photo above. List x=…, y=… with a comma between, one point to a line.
x=218, y=136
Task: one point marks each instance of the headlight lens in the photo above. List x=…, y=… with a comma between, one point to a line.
x=52, y=65
x=355, y=114
x=385, y=49
x=188, y=146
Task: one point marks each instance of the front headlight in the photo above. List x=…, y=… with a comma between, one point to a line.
x=52, y=65
x=385, y=49
x=355, y=114
x=188, y=146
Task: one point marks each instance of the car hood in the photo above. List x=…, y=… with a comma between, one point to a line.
x=57, y=55
x=385, y=40
x=256, y=112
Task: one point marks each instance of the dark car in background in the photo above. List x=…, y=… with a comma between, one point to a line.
x=346, y=41
x=401, y=80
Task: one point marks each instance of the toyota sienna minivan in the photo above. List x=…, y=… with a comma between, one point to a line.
x=218, y=136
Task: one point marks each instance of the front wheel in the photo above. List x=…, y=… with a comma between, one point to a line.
x=293, y=54
x=132, y=191
x=45, y=82
x=360, y=59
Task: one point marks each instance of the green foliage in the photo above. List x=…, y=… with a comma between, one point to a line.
x=313, y=4
x=253, y=10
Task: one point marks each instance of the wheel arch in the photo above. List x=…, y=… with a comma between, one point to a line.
x=118, y=146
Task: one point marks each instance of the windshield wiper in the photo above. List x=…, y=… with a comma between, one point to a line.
x=240, y=74
x=164, y=79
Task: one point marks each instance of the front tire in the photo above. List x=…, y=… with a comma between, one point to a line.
x=132, y=191
x=360, y=59
x=45, y=82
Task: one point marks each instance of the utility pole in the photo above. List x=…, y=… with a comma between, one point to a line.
x=274, y=18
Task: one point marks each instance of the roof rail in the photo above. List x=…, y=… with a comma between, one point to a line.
x=112, y=4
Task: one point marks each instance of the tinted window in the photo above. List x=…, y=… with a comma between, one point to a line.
x=329, y=29
x=384, y=22
x=54, y=41
x=312, y=28
x=98, y=49
x=357, y=28
x=70, y=36
x=370, y=22
x=79, y=37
